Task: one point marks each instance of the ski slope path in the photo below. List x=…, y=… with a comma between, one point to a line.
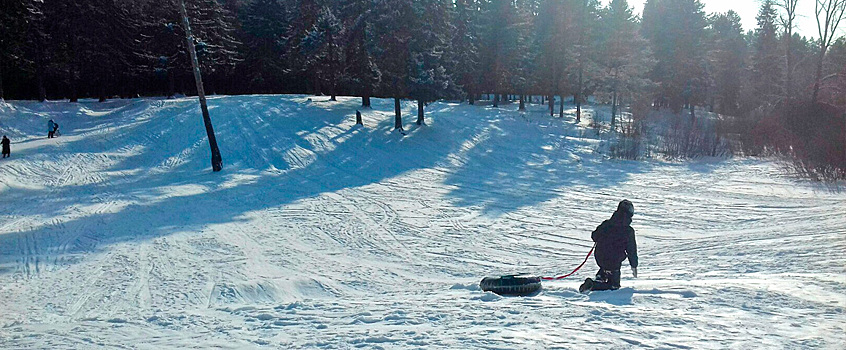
x=322, y=234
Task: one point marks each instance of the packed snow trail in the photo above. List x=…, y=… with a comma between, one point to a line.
x=323, y=234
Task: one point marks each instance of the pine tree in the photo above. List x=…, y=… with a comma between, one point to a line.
x=265, y=37
x=465, y=47
x=500, y=43
x=521, y=77
x=585, y=35
x=303, y=16
x=393, y=51
x=676, y=29
x=624, y=55
x=13, y=24
x=428, y=79
x=727, y=56
x=766, y=60
x=215, y=28
x=361, y=70
x=549, y=47
x=321, y=48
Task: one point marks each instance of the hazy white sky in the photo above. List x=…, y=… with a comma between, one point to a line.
x=748, y=10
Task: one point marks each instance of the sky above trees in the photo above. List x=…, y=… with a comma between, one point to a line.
x=748, y=10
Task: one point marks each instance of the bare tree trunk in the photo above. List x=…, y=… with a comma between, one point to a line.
x=365, y=101
x=831, y=12
x=787, y=22
x=420, y=119
x=561, y=107
x=74, y=93
x=1, y=82
x=578, y=95
x=171, y=84
x=496, y=100
x=578, y=110
x=397, y=114
x=818, y=74
x=333, y=74
x=216, y=159
x=614, y=99
x=614, y=109
x=551, y=101
x=522, y=102
x=42, y=91
x=101, y=92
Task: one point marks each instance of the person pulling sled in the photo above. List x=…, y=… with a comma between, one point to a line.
x=51, y=128
x=615, y=241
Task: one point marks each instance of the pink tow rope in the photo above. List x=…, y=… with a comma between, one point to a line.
x=574, y=271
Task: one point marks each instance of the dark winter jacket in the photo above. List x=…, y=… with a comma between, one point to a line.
x=5, y=143
x=615, y=241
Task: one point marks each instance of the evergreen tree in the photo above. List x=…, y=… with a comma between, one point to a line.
x=215, y=28
x=361, y=69
x=676, y=29
x=624, y=55
x=393, y=50
x=585, y=36
x=465, y=46
x=14, y=18
x=727, y=57
x=500, y=44
x=265, y=37
x=521, y=77
x=322, y=50
x=766, y=60
x=303, y=16
x=550, y=47
x=428, y=79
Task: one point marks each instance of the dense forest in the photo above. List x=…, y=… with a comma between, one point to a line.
x=785, y=92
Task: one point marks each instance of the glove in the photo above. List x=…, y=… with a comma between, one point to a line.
x=634, y=272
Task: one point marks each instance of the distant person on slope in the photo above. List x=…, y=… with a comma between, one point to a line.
x=51, y=128
x=615, y=241
x=56, y=129
x=7, y=150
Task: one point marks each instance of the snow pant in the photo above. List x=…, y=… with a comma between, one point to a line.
x=50, y=134
x=606, y=280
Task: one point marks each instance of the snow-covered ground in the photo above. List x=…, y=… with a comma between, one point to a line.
x=323, y=234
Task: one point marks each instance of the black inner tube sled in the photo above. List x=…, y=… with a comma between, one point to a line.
x=520, y=285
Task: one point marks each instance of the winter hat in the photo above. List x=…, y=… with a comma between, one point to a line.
x=626, y=207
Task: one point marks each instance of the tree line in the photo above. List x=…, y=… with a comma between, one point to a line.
x=675, y=56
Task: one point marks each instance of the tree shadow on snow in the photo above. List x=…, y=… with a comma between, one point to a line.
x=167, y=181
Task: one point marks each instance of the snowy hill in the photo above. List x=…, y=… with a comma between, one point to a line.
x=322, y=234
